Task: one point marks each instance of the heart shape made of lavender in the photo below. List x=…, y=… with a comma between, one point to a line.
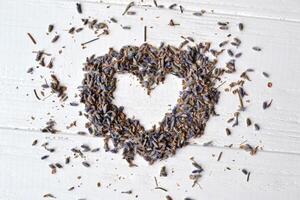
x=150, y=65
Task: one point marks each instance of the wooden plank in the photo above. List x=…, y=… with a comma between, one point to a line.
x=280, y=124
x=25, y=176
x=272, y=9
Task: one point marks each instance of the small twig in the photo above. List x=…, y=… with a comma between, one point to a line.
x=155, y=181
x=145, y=33
x=172, y=23
x=128, y=7
x=248, y=176
x=44, y=53
x=160, y=188
x=221, y=84
x=127, y=192
x=31, y=37
x=82, y=44
x=36, y=95
x=220, y=155
x=49, y=195
x=181, y=8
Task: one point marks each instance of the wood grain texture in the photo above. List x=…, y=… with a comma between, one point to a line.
x=272, y=9
x=273, y=26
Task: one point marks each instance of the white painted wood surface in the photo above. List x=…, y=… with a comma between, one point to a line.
x=275, y=170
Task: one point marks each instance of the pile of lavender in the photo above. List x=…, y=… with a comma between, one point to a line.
x=151, y=65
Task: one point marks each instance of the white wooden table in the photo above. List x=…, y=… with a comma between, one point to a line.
x=274, y=25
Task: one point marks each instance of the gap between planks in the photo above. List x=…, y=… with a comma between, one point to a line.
x=74, y=134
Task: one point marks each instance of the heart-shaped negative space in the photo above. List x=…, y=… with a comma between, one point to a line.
x=150, y=65
x=148, y=109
